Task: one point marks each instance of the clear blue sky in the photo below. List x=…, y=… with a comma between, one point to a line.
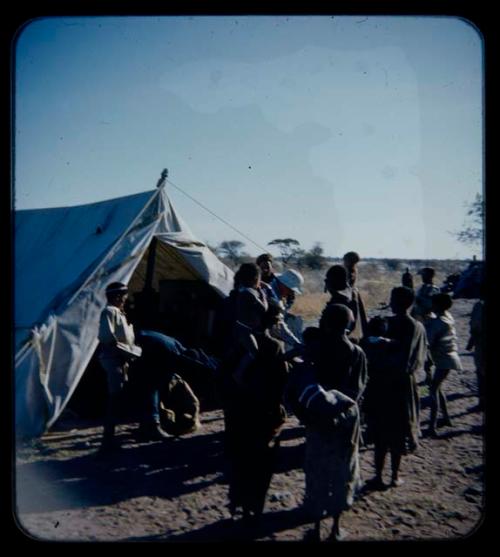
x=361, y=133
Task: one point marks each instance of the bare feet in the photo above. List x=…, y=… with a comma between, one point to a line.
x=338, y=535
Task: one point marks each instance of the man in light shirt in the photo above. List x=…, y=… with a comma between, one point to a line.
x=117, y=344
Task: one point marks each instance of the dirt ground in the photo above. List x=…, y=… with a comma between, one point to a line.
x=175, y=490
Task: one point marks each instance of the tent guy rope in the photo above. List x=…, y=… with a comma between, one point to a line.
x=216, y=216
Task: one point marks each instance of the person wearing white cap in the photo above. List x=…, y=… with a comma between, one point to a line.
x=286, y=285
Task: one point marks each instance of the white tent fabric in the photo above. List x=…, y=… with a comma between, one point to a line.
x=64, y=258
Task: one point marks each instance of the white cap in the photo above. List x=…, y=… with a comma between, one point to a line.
x=291, y=279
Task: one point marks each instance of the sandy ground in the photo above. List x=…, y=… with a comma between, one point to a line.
x=176, y=491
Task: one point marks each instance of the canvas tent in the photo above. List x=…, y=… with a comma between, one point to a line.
x=64, y=258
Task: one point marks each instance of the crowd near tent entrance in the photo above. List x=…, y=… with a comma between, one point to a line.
x=65, y=257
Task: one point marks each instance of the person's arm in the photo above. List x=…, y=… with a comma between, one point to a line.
x=107, y=327
x=281, y=331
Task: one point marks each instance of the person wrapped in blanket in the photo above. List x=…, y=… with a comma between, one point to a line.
x=332, y=424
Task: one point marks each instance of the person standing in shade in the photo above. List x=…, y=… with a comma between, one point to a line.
x=442, y=338
x=116, y=335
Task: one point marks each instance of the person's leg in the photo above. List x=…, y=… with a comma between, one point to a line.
x=115, y=382
x=444, y=407
x=434, y=405
x=379, y=455
x=337, y=533
x=395, y=464
x=438, y=399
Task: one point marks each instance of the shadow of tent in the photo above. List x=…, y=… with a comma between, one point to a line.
x=162, y=469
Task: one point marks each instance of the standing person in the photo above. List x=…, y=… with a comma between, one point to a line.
x=336, y=283
x=253, y=417
x=477, y=341
x=250, y=307
x=442, y=338
x=116, y=335
x=408, y=356
x=375, y=345
x=265, y=263
x=340, y=364
x=351, y=260
x=407, y=279
x=282, y=287
x=289, y=329
x=423, y=303
x=331, y=419
x=386, y=402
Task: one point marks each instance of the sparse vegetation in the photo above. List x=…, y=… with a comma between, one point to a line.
x=376, y=278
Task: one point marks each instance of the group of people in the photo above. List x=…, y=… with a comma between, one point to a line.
x=349, y=381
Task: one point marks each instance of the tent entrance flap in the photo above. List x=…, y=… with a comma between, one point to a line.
x=167, y=295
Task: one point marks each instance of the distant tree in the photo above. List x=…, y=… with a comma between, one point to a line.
x=314, y=258
x=288, y=248
x=232, y=250
x=472, y=233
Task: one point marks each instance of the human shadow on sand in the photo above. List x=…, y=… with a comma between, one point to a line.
x=164, y=469
x=228, y=530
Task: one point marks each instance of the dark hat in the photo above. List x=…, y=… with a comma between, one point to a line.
x=116, y=287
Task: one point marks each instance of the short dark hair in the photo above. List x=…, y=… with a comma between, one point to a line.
x=441, y=301
x=247, y=274
x=336, y=276
x=402, y=297
x=351, y=257
x=311, y=334
x=336, y=317
x=377, y=326
x=264, y=257
x=427, y=271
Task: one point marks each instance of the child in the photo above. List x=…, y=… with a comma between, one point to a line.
x=375, y=346
x=331, y=419
x=331, y=462
x=423, y=303
x=442, y=339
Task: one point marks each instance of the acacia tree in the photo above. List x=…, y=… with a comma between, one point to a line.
x=472, y=233
x=232, y=250
x=314, y=258
x=288, y=248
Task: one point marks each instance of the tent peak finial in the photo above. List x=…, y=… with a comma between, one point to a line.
x=163, y=177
